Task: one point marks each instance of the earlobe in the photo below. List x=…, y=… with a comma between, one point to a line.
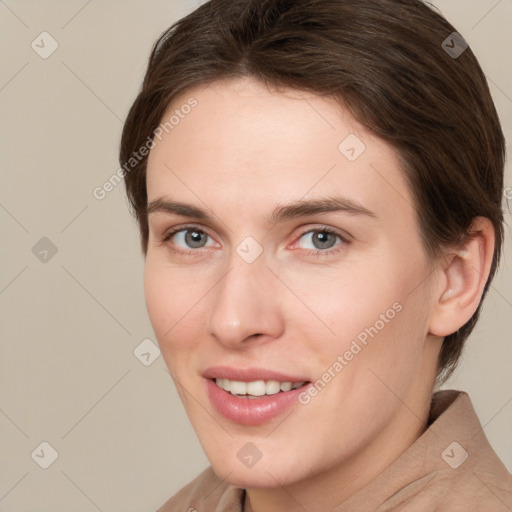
x=462, y=277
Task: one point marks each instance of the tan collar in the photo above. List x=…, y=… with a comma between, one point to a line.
x=453, y=449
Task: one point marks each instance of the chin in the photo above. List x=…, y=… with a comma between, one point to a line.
x=253, y=479
x=261, y=475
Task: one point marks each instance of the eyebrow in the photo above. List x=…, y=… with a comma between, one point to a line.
x=300, y=208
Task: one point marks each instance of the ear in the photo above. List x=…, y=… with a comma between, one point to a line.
x=461, y=280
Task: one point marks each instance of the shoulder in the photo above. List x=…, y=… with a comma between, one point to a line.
x=464, y=471
x=451, y=467
x=206, y=492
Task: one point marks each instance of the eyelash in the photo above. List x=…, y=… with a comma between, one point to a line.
x=193, y=252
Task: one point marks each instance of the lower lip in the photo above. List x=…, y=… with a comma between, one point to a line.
x=247, y=411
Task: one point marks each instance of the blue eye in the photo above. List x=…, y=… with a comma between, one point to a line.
x=321, y=239
x=188, y=238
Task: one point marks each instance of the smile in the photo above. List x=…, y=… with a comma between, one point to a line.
x=256, y=388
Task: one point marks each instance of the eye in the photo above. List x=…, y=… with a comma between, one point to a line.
x=188, y=240
x=322, y=240
x=188, y=237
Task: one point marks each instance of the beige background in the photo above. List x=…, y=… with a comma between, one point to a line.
x=68, y=374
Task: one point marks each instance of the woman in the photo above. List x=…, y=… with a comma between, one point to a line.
x=318, y=187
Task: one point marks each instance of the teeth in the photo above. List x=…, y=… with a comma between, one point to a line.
x=286, y=386
x=256, y=388
x=224, y=384
x=237, y=388
x=271, y=387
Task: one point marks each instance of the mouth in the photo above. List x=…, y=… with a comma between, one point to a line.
x=256, y=389
x=252, y=396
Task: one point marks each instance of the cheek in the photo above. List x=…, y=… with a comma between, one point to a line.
x=171, y=301
x=367, y=310
x=336, y=304
x=159, y=302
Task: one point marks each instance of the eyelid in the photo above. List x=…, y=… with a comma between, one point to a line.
x=343, y=236
x=325, y=228
x=169, y=233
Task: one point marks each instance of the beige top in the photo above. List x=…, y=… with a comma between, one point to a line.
x=451, y=467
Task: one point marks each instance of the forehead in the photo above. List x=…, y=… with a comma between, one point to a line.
x=249, y=147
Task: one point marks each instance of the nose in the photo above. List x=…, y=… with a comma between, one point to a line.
x=245, y=305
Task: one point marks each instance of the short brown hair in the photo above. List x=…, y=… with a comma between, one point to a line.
x=385, y=61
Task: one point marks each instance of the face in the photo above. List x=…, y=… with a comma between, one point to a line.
x=284, y=252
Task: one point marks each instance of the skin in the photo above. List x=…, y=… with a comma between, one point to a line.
x=241, y=152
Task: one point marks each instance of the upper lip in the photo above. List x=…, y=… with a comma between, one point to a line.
x=249, y=374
